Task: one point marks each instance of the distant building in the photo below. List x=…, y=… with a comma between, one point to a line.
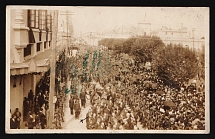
x=170, y=34
x=91, y=38
x=144, y=28
x=178, y=36
x=117, y=36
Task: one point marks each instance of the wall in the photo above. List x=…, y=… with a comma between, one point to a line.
x=25, y=17
x=27, y=85
x=16, y=95
x=14, y=56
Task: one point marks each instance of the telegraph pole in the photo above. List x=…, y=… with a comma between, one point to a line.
x=181, y=31
x=67, y=13
x=67, y=33
x=52, y=69
x=193, y=38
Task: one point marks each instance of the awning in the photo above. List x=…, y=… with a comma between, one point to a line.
x=19, y=71
x=43, y=62
x=42, y=65
x=39, y=63
x=29, y=67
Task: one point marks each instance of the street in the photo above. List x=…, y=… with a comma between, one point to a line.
x=70, y=122
x=75, y=124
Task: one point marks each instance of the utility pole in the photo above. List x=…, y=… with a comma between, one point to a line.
x=52, y=69
x=67, y=13
x=181, y=32
x=193, y=37
x=67, y=33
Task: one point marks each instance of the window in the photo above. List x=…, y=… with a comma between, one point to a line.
x=27, y=50
x=42, y=19
x=44, y=45
x=38, y=47
x=166, y=33
x=33, y=18
x=51, y=21
x=172, y=33
x=37, y=19
x=48, y=20
x=49, y=43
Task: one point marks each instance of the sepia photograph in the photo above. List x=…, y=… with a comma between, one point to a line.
x=103, y=69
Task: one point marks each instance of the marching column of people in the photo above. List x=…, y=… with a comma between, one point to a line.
x=75, y=104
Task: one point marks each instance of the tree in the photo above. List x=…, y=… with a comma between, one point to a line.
x=175, y=64
x=143, y=47
x=128, y=44
x=112, y=44
x=201, y=59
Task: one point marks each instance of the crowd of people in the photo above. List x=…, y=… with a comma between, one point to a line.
x=126, y=102
x=15, y=119
x=58, y=111
x=60, y=94
x=129, y=98
x=36, y=105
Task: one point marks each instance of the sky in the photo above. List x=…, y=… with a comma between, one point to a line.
x=99, y=19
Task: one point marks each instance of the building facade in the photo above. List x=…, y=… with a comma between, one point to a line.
x=30, y=43
x=179, y=36
x=144, y=28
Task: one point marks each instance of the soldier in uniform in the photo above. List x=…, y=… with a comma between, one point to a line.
x=71, y=104
x=77, y=109
x=83, y=98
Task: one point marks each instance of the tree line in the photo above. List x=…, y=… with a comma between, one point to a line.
x=173, y=63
